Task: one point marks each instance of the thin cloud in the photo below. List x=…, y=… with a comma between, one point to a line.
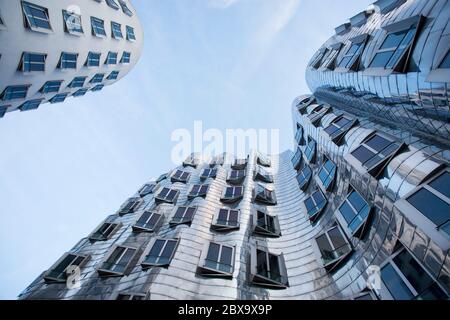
x=221, y=4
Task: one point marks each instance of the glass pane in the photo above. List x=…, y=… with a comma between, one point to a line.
x=213, y=252
x=168, y=250
x=233, y=216
x=430, y=206
x=347, y=212
x=357, y=201
x=362, y=154
x=157, y=247
x=336, y=238
x=378, y=143
x=412, y=271
x=227, y=255
x=324, y=245
x=180, y=212
x=442, y=184
x=395, y=284
x=274, y=268
x=445, y=64
x=393, y=39
x=223, y=214
x=381, y=59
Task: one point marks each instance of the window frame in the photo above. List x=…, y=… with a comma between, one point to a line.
x=310, y=159
x=130, y=34
x=264, y=231
x=111, y=58
x=30, y=25
x=147, y=265
x=209, y=173
x=305, y=185
x=217, y=226
x=23, y=63
x=77, y=81
x=145, y=228
x=264, y=195
x=97, y=30
x=89, y=59
x=59, y=97
x=239, y=164
x=303, y=105
x=234, y=198
x=175, y=177
x=48, y=279
x=262, y=175
x=354, y=62
x=143, y=190
x=264, y=161
x=200, y=193
x=24, y=90
x=239, y=179
x=104, y=273
x=115, y=226
x=332, y=265
x=70, y=30
x=316, y=114
x=126, y=57
x=116, y=33
x=209, y=272
x=131, y=294
x=63, y=61
x=56, y=88
x=164, y=199
x=183, y=220
x=263, y=281
x=338, y=136
x=313, y=218
x=437, y=73
x=137, y=202
x=32, y=104
x=320, y=183
x=328, y=61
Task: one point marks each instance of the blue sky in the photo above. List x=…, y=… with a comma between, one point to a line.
x=230, y=63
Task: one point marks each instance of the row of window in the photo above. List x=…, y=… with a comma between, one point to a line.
x=37, y=19
x=392, y=54
x=36, y=62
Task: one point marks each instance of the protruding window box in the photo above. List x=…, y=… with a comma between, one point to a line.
x=130, y=206
x=180, y=176
x=183, y=215
x=310, y=151
x=385, y=6
x=374, y=153
x=339, y=127
x=159, y=253
x=36, y=17
x=65, y=266
x=198, y=190
x=264, y=224
x=262, y=175
x=232, y=194
x=118, y=262
x=297, y=159
x=268, y=269
x=314, y=205
x=441, y=70
x=316, y=61
x=147, y=189
x=191, y=161
x=72, y=23
x=217, y=261
x=343, y=28
x=327, y=175
x=236, y=177
x=167, y=195
x=264, y=161
x=303, y=105
x=334, y=248
x=299, y=136
x=263, y=195
x=329, y=60
x=217, y=161
x=209, y=173
x=304, y=177
x=105, y=231
x=356, y=213
x=351, y=60
x=226, y=220
x=149, y=221
x=317, y=114
x=239, y=164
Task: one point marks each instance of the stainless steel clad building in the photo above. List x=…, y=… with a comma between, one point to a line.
x=359, y=210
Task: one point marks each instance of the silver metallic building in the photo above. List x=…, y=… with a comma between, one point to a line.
x=360, y=209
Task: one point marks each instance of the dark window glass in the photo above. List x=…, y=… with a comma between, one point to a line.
x=430, y=206
x=442, y=184
x=395, y=284
x=362, y=154
x=445, y=64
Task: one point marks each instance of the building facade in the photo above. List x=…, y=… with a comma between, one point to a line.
x=50, y=50
x=359, y=210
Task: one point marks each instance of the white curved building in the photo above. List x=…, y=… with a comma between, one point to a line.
x=50, y=50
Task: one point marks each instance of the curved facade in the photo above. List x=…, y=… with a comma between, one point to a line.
x=391, y=62
x=51, y=50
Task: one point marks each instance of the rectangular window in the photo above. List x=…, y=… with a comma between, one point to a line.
x=226, y=219
x=104, y=232
x=68, y=60
x=98, y=87
x=36, y=17
x=118, y=262
x=147, y=189
x=198, y=190
x=93, y=59
x=355, y=210
x=31, y=105
x=116, y=29
x=126, y=58
x=97, y=78
x=329, y=62
x=61, y=97
x=217, y=261
x=445, y=63
x=130, y=34
x=339, y=127
x=232, y=194
x=80, y=93
x=403, y=278
x=433, y=201
x=77, y=82
x=125, y=8
x=111, y=58
x=113, y=4
x=317, y=60
x=315, y=204
x=191, y=161
x=113, y=75
x=302, y=106
x=264, y=195
x=297, y=159
x=375, y=151
x=303, y=177
x=262, y=175
x=130, y=206
x=131, y=296
x=14, y=92
x=209, y=173
x=317, y=114
x=239, y=164
x=72, y=23
x=148, y=222
x=268, y=269
x=51, y=86
x=327, y=174
x=236, y=176
x=161, y=253
x=32, y=62
x=183, y=215
x=98, y=27
x=333, y=247
x=346, y=61
x=167, y=195
x=310, y=151
x=299, y=136
x=265, y=224
x=63, y=267
x=180, y=176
